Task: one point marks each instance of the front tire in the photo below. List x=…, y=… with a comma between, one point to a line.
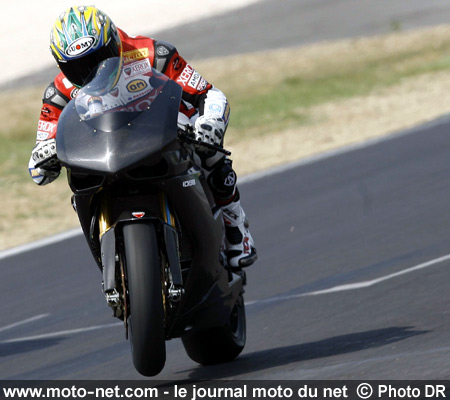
x=146, y=319
x=219, y=344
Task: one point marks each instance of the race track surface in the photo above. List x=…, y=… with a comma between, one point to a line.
x=350, y=282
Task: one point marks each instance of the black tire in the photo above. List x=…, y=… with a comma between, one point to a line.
x=146, y=313
x=219, y=344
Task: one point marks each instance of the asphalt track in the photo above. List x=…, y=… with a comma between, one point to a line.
x=325, y=300
x=351, y=282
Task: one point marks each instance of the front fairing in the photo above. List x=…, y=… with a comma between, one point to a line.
x=118, y=120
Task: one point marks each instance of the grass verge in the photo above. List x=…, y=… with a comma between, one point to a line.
x=286, y=104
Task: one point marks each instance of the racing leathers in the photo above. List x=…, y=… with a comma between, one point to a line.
x=203, y=106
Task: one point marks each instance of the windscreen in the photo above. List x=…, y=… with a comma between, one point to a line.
x=127, y=113
x=116, y=88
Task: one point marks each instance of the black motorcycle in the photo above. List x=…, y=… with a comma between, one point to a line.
x=150, y=219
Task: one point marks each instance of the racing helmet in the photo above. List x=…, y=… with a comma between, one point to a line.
x=80, y=39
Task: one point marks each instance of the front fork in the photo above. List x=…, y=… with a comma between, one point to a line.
x=104, y=215
x=113, y=263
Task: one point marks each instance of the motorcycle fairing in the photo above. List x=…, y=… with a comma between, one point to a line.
x=108, y=130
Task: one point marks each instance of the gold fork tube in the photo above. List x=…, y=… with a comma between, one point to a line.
x=104, y=221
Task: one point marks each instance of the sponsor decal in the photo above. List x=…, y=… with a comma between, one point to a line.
x=140, y=94
x=34, y=173
x=42, y=135
x=176, y=64
x=136, y=85
x=45, y=126
x=215, y=108
x=67, y=83
x=137, y=54
x=49, y=92
x=136, y=68
x=195, y=80
x=202, y=85
x=230, y=180
x=192, y=78
x=141, y=106
x=162, y=51
x=185, y=75
x=74, y=93
x=80, y=46
x=45, y=130
x=94, y=99
x=226, y=114
x=189, y=183
x=246, y=245
x=138, y=214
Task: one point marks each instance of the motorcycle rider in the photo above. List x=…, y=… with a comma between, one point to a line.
x=82, y=37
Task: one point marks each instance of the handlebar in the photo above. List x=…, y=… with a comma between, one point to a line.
x=188, y=136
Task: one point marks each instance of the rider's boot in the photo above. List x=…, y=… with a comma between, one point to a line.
x=240, y=248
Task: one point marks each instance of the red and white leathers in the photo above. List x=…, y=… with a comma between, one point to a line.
x=139, y=53
x=200, y=101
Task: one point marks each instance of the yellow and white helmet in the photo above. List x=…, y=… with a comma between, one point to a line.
x=80, y=39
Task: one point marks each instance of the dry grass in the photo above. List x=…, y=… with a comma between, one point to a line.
x=29, y=212
x=337, y=124
x=19, y=108
x=238, y=72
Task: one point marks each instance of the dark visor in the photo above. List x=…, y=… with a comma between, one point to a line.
x=79, y=69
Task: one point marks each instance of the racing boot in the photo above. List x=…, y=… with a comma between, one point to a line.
x=239, y=246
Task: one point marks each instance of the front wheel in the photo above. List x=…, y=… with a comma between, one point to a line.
x=218, y=344
x=146, y=320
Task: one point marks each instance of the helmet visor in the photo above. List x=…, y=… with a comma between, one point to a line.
x=79, y=69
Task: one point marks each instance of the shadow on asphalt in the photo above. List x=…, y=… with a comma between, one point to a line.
x=10, y=349
x=279, y=356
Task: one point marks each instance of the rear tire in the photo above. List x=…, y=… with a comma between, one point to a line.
x=146, y=319
x=219, y=344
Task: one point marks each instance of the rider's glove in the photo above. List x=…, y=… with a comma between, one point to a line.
x=209, y=130
x=44, y=158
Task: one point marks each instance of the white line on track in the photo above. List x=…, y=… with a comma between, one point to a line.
x=25, y=321
x=445, y=119
x=353, y=286
x=61, y=333
x=250, y=178
x=340, y=288
x=14, y=251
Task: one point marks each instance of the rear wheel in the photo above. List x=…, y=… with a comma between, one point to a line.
x=146, y=319
x=218, y=344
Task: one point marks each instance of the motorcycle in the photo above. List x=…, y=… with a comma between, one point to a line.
x=150, y=219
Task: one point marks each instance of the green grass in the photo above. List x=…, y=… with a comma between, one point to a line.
x=14, y=155
x=286, y=103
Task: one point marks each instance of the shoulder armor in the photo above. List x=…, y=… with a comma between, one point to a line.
x=164, y=52
x=55, y=97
